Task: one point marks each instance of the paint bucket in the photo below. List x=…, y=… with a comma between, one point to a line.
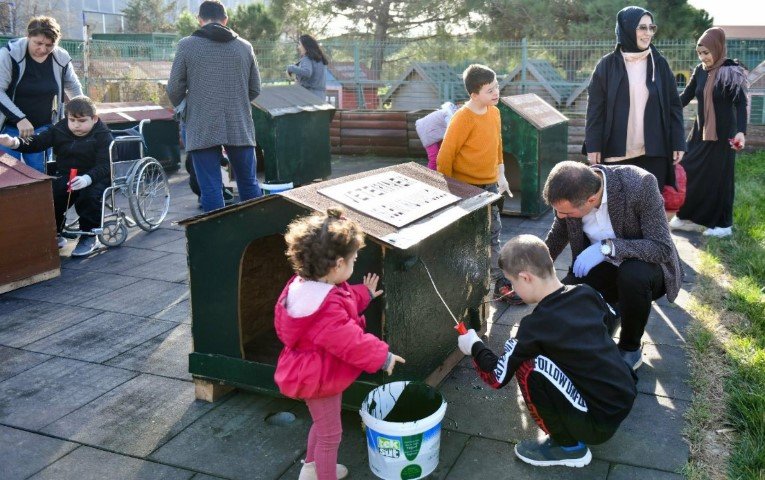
x=271, y=188
x=403, y=426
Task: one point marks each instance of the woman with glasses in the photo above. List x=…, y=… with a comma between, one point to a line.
x=719, y=84
x=634, y=114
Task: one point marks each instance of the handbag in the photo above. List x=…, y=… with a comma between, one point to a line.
x=675, y=197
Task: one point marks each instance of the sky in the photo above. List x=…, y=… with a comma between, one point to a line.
x=733, y=12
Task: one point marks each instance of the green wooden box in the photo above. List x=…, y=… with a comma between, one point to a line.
x=238, y=269
x=292, y=128
x=534, y=139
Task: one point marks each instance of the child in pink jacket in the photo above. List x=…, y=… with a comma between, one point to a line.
x=318, y=318
x=431, y=129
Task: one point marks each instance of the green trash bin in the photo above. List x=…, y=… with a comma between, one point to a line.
x=161, y=134
x=292, y=128
x=237, y=269
x=534, y=139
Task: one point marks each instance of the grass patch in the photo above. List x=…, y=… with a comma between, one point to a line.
x=729, y=331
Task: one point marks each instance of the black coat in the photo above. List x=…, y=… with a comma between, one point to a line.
x=608, y=103
x=730, y=104
x=88, y=154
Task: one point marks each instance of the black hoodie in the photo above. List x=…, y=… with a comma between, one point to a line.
x=89, y=154
x=216, y=32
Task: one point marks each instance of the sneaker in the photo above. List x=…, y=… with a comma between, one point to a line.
x=308, y=472
x=685, y=225
x=632, y=359
x=719, y=232
x=86, y=245
x=548, y=453
x=503, y=292
x=228, y=196
x=60, y=241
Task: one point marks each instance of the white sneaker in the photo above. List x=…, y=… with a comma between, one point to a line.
x=308, y=472
x=685, y=225
x=719, y=232
x=86, y=245
x=60, y=241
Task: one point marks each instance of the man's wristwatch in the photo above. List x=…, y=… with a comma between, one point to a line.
x=605, y=248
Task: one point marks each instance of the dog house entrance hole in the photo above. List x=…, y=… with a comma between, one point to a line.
x=513, y=175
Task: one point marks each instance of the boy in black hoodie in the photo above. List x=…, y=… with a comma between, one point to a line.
x=81, y=141
x=574, y=382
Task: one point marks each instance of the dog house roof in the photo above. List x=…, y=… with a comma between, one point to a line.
x=289, y=99
x=14, y=173
x=472, y=198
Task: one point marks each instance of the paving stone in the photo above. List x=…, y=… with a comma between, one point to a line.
x=179, y=312
x=9, y=304
x=234, y=441
x=144, y=298
x=650, y=436
x=177, y=246
x=47, y=392
x=151, y=240
x=134, y=418
x=166, y=354
x=173, y=267
x=627, y=472
x=495, y=459
x=37, y=320
x=102, y=337
x=87, y=463
x=354, y=454
x=664, y=372
x=666, y=325
x=24, y=453
x=203, y=476
x=73, y=287
x=14, y=361
x=112, y=260
x=512, y=314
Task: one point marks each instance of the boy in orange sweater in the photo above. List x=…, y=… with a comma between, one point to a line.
x=472, y=153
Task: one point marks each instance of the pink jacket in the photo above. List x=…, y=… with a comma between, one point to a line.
x=326, y=349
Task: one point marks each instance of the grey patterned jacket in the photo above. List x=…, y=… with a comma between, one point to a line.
x=217, y=73
x=636, y=209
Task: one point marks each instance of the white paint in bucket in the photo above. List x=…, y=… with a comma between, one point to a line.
x=271, y=188
x=400, y=450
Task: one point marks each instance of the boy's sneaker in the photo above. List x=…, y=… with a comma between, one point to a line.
x=308, y=472
x=60, y=241
x=719, y=232
x=685, y=225
x=548, y=453
x=228, y=196
x=86, y=245
x=503, y=292
x=632, y=359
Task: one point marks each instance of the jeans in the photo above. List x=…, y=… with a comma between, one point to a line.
x=207, y=168
x=495, y=229
x=35, y=160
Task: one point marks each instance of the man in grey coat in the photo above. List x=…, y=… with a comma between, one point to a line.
x=216, y=73
x=613, y=218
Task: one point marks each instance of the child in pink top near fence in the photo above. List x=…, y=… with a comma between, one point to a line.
x=431, y=129
x=319, y=319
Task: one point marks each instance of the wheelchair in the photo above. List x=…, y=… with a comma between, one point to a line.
x=138, y=184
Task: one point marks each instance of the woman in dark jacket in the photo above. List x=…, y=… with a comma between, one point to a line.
x=310, y=70
x=634, y=114
x=719, y=84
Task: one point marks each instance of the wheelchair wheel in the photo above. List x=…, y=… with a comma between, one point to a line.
x=149, y=194
x=114, y=233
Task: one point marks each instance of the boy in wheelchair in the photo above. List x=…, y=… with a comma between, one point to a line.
x=80, y=141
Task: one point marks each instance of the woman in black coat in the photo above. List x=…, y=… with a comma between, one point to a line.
x=719, y=84
x=634, y=114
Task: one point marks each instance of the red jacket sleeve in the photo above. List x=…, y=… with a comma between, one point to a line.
x=342, y=337
x=361, y=296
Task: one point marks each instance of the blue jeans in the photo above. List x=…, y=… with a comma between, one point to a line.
x=35, y=160
x=207, y=167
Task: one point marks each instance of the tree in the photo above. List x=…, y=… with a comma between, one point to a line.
x=253, y=22
x=149, y=16
x=186, y=23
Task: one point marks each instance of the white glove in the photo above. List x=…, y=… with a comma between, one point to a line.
x=80, y=182
x=502, y=184
x=465, y=342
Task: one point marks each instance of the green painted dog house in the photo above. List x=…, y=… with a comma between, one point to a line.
x=534, y=139
x=237, y=270
x=292, y=128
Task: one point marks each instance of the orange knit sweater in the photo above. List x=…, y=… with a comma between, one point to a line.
x=472, y=147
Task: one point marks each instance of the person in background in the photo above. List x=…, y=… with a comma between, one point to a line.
x=432, y=128
x=310, y=71
x=634, y=114
x=35, y=75
x=720, y=85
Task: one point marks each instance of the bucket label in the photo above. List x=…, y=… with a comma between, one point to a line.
x=388, y=447
x=411, y=471
x=412, y=445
